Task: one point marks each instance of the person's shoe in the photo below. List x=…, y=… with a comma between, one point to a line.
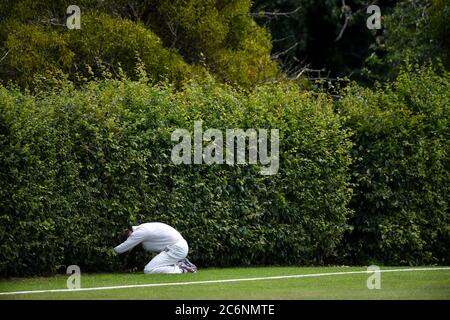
x=185, y=269
x=187, y=266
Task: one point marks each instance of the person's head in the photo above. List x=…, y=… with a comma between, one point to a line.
x=125, y=234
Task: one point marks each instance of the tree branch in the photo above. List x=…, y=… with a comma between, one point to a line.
x=273, y=14
x=275, y=56
x=349, y=15
x=3, y=58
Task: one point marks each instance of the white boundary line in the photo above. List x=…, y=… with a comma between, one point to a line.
x=221, y=281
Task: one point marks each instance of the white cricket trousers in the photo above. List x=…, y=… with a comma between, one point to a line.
x=167, y=260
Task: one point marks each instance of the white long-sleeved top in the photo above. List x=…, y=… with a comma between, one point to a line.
x=154, y=236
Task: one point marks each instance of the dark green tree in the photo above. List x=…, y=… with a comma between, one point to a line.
x=418, y=31
x=327, y=35
x=173, y=40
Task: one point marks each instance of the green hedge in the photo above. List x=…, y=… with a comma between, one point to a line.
x=77, y=165
x=400, y=170
x=365, y=180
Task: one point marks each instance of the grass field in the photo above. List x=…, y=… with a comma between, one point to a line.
x=430, y=284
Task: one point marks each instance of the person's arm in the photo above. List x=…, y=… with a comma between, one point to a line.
x=133, y=240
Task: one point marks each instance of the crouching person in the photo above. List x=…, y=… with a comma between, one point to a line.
x=161, y=238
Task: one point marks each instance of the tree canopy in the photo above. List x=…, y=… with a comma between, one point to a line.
x=174, y=40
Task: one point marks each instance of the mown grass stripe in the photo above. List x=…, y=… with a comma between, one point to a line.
x=222, y=281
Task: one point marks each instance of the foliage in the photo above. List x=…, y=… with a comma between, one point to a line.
x=77, y=165
x=86, y=118
x=105, y=45
x=174, y=40
x=217, y=34
x=325, y=35
x=400, y=170
x=417, y=30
